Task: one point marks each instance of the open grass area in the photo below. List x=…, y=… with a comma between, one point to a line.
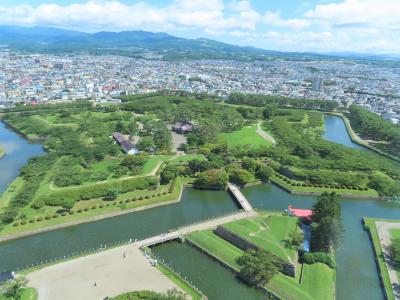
x=153, y=162
x=370, y=225
x=244, y=136
x=185, y=158
x=318, y=280
x=395, y=233
x=216, y=246
x=175, y=278
x=269, y=232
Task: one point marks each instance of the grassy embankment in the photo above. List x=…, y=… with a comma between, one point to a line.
x=318, y=280
x=175, y=278
x=92, y=209
x=384, y=275
x=370, y=193
x=2, y=152
x=245, y=136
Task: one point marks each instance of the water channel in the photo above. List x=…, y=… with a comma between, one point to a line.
x=356, y=272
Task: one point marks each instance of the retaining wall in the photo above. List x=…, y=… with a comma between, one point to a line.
x=243, y=244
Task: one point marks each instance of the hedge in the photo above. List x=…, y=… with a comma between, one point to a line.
x=68, y=196
x=312, y=258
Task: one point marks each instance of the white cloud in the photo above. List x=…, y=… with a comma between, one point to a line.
x=273, y=18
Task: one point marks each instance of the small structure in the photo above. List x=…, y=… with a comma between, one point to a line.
x=305, y=214
x=4, y=276
x=126, y=145
x=182, y=127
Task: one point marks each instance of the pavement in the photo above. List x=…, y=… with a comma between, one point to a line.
x=108, y=273
x=384, y=229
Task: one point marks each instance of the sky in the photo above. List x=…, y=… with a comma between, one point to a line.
x=364, y=26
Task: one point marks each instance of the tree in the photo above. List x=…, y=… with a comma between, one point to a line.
x=264, y=172
x=326, y=235
x=239, y=176
x=213, y=178
x=270, y=110
x=394, y=251
x=297, y=238
x=11, y=289
x=111, y=195
x=327, y=205
x=259, y=267
x=169, y=173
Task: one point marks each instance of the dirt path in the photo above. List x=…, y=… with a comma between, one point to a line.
x=108, y=273
x=266, y=136
x=383, y=229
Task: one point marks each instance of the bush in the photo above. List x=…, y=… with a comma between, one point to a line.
x=48, y=217
x=55, y=216
x=141, y=198
x=39, y=219
x=86, y=209
x=147, y=197
x=23, y=222
x=71, y=212
x=80, y=210
x=16, y=224
x=94, y=207
x=32, y=221
x=101, y=205
x=312, y=258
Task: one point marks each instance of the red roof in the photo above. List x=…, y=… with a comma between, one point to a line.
x=298, y=212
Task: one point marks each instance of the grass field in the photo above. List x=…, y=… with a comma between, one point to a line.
x=186, y=158
x=370, y=225
x=220, y=248
x=268, y=232
x=152, y=163
x=395, y=233
x=245, y=136
x=318, y=279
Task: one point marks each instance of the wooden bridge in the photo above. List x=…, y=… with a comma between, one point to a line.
x=179, y=233
x=244, y=203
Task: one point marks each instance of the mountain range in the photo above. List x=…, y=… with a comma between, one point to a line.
x=143, y=43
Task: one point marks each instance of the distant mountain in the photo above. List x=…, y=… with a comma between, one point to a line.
x=145, y=44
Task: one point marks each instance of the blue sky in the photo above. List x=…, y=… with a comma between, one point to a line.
x=368, y=26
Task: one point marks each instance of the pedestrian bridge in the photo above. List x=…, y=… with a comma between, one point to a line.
x=179, y=233
x=242, y=200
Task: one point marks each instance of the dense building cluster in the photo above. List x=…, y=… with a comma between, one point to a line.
x=51, y=78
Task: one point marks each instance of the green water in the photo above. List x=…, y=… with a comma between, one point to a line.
x=195, y=206
x=207, y=275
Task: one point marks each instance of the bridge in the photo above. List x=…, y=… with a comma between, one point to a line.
x=204, y=225
x=244, y=203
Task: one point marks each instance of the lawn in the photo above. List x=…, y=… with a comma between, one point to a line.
x=153, y=162
x=25, y=294
x=186, y=158
x=216, y=246
x=244, y=136
x=370, y=225
x=268, y=232
x=395, y=233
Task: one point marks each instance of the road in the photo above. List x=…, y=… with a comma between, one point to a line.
x=266, y=136
x=384, y=229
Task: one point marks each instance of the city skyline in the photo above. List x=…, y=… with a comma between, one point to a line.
x=364, y=26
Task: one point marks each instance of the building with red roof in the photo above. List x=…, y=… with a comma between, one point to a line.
x=300, y=213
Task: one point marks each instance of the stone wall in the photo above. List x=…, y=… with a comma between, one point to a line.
x=243, y=244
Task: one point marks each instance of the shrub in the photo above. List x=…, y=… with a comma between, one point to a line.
x=86, y=209
x=39, y=219
x=55, y=216
x=94, y=207
x=312, y=258
x=80, y=210
x=165, y=192
x=147, y=197
x=115, y=203
x=23, y=222
x=32, y=221
x=141, y=198
x=127, y=200
x=63, y=214
x=16, y=224
x=48, y=217
x=71, y=212
x=101, y=205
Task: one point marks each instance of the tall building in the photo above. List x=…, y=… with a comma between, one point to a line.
x=318, y=84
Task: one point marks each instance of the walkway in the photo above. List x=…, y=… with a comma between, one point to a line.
x=195, y=227
x=114, y=271
x=240, y=197
x=384, y=229
x=266, y=136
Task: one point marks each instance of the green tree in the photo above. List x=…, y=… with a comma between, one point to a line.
x=270, y=110
x=297, y=237
x=394, y=251
x=264, y=172
x=239, y=176
x=111, y=195
x=259, y=267
x=326, y=235
x=213, y=178
x=327, y=205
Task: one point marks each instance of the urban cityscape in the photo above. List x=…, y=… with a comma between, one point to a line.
x=40, y=78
